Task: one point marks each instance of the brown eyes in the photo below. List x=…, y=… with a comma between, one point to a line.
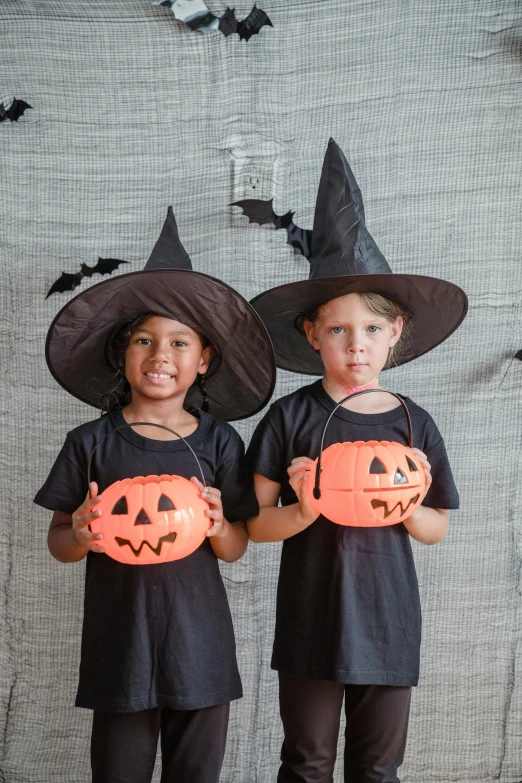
x=121, y=506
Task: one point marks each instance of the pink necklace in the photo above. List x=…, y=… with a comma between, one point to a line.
x=346, y=390
x=353, y=389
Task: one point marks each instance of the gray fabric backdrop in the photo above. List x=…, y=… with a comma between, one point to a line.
x=133, y=111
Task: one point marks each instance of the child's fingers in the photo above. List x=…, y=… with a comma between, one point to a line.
x=216, y=527
x=300, y=465
x=92, y=541
x=93, y=490
x=85, y=534
x=297, y=478
x=297, y=483
x=83, y=520
x=214, y=513
x=88, y=503
x=212, y=495
x=304, y=462
x=197, y=482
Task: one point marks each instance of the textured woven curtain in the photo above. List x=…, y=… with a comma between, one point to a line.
x=133, y=111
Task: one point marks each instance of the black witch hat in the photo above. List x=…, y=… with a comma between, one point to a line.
x=236, y=385
x=344, y=260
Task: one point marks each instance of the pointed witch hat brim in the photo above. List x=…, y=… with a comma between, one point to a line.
x=344, y=260
x=237, y=387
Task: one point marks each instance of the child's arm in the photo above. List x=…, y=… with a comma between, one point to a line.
x=427, y=525
x=276, y=523
x=228, y=540
x=69, y=538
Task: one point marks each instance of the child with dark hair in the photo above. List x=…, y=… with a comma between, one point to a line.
x=348, y=620
x=120, y=394
x=158, y=652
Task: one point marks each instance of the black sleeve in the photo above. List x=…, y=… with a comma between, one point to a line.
x=443, y=492
x=234, y=481
x=66, y=486
x=266, y=452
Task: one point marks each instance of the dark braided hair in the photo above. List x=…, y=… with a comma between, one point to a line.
x=117, y=343
x=200, y=380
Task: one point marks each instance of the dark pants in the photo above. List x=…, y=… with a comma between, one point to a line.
x=124, y=745
x=376, y=727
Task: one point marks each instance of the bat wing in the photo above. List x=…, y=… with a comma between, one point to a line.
x=300, y=239
x=258, y=211
x=261, y=212
x=228, y=23
x=105, y=266
x=15, y=111
x=66, y=282
x=256, y=19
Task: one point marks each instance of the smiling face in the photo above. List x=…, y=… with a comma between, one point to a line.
x=354, y=342
x=163, y=359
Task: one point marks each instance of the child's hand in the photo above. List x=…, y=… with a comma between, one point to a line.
x=299, y=472
x=426, y=468
x=83, y=516
x=215, y=512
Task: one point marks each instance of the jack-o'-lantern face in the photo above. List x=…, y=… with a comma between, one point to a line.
x=368, y=483
x=151, y=519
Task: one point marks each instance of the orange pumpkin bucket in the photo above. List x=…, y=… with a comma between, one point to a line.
x=367, y=483
x=151, y=519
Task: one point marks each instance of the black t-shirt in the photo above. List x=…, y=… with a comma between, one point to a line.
x=348, y=606
x=154, y=635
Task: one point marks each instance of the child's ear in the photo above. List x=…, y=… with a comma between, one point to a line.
x=206, y=357
x=397, y=328
x=311, y=335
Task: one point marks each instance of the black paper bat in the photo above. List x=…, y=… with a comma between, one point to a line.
x=68, y=282
x=261, y=212
x=15, y=111
x=256, y=19
x=518, y=355
x=197, y=16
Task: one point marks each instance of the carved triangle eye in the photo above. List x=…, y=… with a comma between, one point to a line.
x=411, y=464
x=377, y=466
x=166, y=504
x=142, y=518
x=400, y=478
x=121, y=507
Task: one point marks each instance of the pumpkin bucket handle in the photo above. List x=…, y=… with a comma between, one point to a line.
x=318, y=468
x=148, y=424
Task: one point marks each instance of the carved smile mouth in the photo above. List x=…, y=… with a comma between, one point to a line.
x=388, y=512
x=169, y=538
